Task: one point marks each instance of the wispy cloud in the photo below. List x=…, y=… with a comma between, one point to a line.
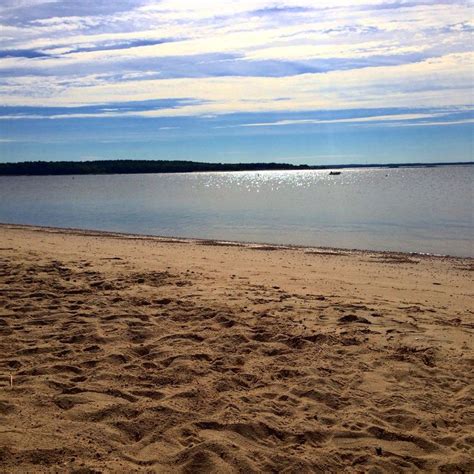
x=439, y=123
x=372, y=118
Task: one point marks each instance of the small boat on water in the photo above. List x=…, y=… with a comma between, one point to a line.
x=334, y=173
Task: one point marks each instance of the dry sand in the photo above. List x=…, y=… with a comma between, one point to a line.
x=128, y=354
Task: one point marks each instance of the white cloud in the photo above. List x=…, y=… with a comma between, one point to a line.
x=328, y=30
x=440, y=82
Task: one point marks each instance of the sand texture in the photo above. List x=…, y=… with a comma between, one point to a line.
x=129, y=354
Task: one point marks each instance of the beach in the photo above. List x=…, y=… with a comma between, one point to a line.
x=123, y=353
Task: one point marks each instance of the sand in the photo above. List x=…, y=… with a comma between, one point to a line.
x=130, y=354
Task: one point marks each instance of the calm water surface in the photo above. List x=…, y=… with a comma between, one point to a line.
x=415, y=210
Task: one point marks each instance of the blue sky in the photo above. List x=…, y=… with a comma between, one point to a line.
x=300, y=81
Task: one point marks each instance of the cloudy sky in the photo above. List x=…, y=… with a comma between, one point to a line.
x=302, y=81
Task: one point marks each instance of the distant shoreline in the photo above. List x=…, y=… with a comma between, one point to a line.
x=106, y=167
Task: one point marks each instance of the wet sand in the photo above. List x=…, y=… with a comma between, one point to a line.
x=132, y=354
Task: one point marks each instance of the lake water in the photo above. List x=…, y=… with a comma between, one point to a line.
x=427, y=210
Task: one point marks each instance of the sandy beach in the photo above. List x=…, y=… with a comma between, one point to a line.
x=137, y=354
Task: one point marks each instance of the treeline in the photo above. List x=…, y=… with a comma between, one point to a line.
x=39, y=168
x=133, y=166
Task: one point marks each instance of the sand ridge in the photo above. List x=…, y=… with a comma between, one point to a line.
x=123, y=354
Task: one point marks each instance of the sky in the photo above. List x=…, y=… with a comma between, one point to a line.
x=297, y=81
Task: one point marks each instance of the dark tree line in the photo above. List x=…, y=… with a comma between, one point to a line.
x=132, y=166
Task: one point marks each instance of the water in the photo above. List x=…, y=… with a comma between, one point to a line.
x=428, y=210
